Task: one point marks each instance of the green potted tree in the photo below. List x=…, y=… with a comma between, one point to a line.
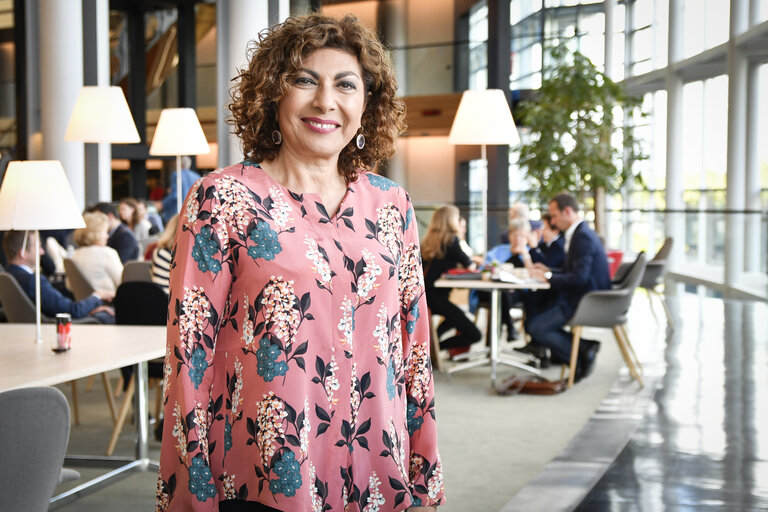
x=574, y=142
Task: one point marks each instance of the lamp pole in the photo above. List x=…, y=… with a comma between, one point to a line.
x=178, y=184
x=38, y=316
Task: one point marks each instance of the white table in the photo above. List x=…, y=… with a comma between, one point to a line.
x=494, y=287
x=95, y=349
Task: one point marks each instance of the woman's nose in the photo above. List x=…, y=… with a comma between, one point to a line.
x=324, y=99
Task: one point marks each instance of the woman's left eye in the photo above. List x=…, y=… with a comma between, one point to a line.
x=347, y=85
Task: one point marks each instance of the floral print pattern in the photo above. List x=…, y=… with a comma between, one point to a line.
x=297, y=371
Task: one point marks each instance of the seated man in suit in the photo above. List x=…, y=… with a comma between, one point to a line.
x=21, y=260
x=585, y=269
x=121, y=238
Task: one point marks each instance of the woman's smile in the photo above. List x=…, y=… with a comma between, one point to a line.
x=320, y=125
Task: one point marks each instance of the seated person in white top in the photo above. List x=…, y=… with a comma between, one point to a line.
x=99, y=264
x=161, y=256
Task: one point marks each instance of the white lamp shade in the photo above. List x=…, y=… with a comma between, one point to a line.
x=101, y=114
x=178, y=133
x=483, y=117
x=36, y=195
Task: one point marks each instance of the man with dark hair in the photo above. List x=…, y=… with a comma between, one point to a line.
x=585, y=269
x=121, y=238
x=21, y=259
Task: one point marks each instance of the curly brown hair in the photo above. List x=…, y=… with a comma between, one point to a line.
x=277, y=56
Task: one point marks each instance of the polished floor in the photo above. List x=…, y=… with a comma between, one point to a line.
x=703, y=444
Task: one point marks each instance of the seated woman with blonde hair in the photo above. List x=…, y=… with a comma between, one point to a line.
x=441, y=251
x=99, y=264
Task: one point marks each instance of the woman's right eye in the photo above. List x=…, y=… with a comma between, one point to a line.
x=303, y=80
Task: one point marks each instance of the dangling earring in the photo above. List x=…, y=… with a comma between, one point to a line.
x=277, y=137
x=360, y=141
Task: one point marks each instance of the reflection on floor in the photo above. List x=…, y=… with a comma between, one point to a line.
x=704, y=443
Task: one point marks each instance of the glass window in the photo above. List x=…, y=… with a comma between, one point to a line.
x=717, y=27
x=705, y=125
x=762, y=125
x=705, y=25
x=693, y=20
x=521, y=9
x=478, y=52
x=560, y=23
x=660, y=34
x=642, y=13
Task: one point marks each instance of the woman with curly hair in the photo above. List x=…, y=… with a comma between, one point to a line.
x=298, y=373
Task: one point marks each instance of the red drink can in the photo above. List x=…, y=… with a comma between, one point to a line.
x=63, y=332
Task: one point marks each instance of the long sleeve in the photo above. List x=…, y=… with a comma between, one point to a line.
x=51, y=300
x=426, y=470
x=200, y=284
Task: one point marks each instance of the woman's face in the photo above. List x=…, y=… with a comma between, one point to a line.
x=126, y=211
x=321, y=111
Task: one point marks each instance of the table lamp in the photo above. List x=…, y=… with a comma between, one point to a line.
x=178, y=133
x=483, y=118
x=101, y=114
x=36, y=195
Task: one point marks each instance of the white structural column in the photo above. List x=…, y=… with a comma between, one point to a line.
x=61, y=78
x=736, y=153
x=239, y=22
x=394, y=21
x=752, y=239
x=675, y=222
x=98, y=157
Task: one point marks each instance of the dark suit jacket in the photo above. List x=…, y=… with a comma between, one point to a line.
x=51, y=300
x=552, y=255
x=124, y=242
x=585, y=270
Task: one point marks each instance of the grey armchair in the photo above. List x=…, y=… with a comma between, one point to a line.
x=34, y=428
x=76, y=281
x=137, y=271
x=655, y=272
x=608, y=308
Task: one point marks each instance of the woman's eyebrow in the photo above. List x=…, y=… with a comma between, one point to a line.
x=343, y=74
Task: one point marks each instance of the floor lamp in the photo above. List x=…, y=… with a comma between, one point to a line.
x=483, y=118
x=101, y=115
x=178, y=133
x=36, y=195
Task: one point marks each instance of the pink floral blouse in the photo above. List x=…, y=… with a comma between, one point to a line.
x=297, y=371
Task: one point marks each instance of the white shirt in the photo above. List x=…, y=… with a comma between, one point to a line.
x=100, y=266
x=569, y=234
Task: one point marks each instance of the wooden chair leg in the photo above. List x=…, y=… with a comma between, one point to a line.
x=124, y=409
x=119, y=386
x=75, y=408
x=434, y=344
x=636, y=359
x=650, y=303
x=667, y=312
x=110, y=397
x=89, y=386
x=576, y=331
x=625, y=352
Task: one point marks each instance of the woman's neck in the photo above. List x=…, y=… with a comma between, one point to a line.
x=301, y=176
x=297, y=175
